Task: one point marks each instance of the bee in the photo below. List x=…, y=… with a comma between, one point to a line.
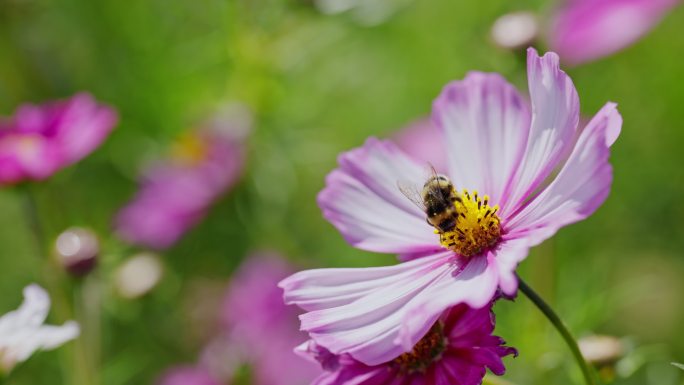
x=437, y=199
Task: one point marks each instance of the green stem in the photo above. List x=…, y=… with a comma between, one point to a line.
x=31, y=209
x=54, y=280
x=87, y=308
x=562, y=329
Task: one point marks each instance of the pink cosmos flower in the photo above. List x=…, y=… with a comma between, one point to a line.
x=528, y=171
x=40, y=140
x=261, y=327
x=176, y=194
x=258, y=329
x=585, y=30
x=455, y=351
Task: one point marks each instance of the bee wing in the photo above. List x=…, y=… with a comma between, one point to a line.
x=411, y=191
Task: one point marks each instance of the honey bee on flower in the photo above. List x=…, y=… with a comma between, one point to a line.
x=465, y=222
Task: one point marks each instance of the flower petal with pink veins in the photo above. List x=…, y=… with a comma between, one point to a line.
x=486, y=124
x=328, y=288
x=368, y=327
x=375, y=320
x=474, y=284
x=508, y=255
x=580, y=187
x=555, y=114
x=362, y=199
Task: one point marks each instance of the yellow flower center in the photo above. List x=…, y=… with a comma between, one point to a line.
x=477, y=226
x=189, y=149
x=428, y=350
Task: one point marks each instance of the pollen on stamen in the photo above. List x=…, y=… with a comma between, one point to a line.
x=477, y=226
x=428, y=350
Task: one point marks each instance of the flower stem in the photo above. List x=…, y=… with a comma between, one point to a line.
x=562, y=329
x=54, y=279
x=33, y=219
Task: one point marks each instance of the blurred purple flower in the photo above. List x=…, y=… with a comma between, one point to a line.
x=176, y=194
x=258, y=329
x=39, y=140
x=457, y=350
x=585, y=30
x=262, y=327
x=188, y=375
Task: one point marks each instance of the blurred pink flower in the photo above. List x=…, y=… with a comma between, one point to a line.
x=261, y=327
x=456, y=350
x=40, y=140
x=528, y=171
x=585, y=30
x=258, y=329
x=187, y=375
x=176, y=194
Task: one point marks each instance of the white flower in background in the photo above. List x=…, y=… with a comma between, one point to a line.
x=22, y=331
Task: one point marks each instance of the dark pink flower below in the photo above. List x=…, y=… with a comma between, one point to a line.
x=39, y=140
x=175, y=194
x=455, y=351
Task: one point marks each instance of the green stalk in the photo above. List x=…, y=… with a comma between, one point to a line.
x=562, y=329
x=52, y=273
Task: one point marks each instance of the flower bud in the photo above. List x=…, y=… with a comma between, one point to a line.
x=601, y=350
x=77, y=250
x=515, y=30
x=138, y=275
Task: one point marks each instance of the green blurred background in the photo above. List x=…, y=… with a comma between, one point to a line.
x=319, y=85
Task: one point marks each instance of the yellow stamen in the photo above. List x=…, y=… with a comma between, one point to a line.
x=428, y=350
x=477, y=227
x=190, y=149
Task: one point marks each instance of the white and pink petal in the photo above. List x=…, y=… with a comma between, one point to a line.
x=486, y=123
x=555, y=114
x=362, y=199
x=375, y=320
x=581, y=186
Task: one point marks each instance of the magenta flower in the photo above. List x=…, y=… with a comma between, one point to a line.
x=456, y=351
x=40, y=140
x=257, y=329
x=261, y=327
x=528, y=172
x=176, y=194
x=585, y=30
x=187, y=375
